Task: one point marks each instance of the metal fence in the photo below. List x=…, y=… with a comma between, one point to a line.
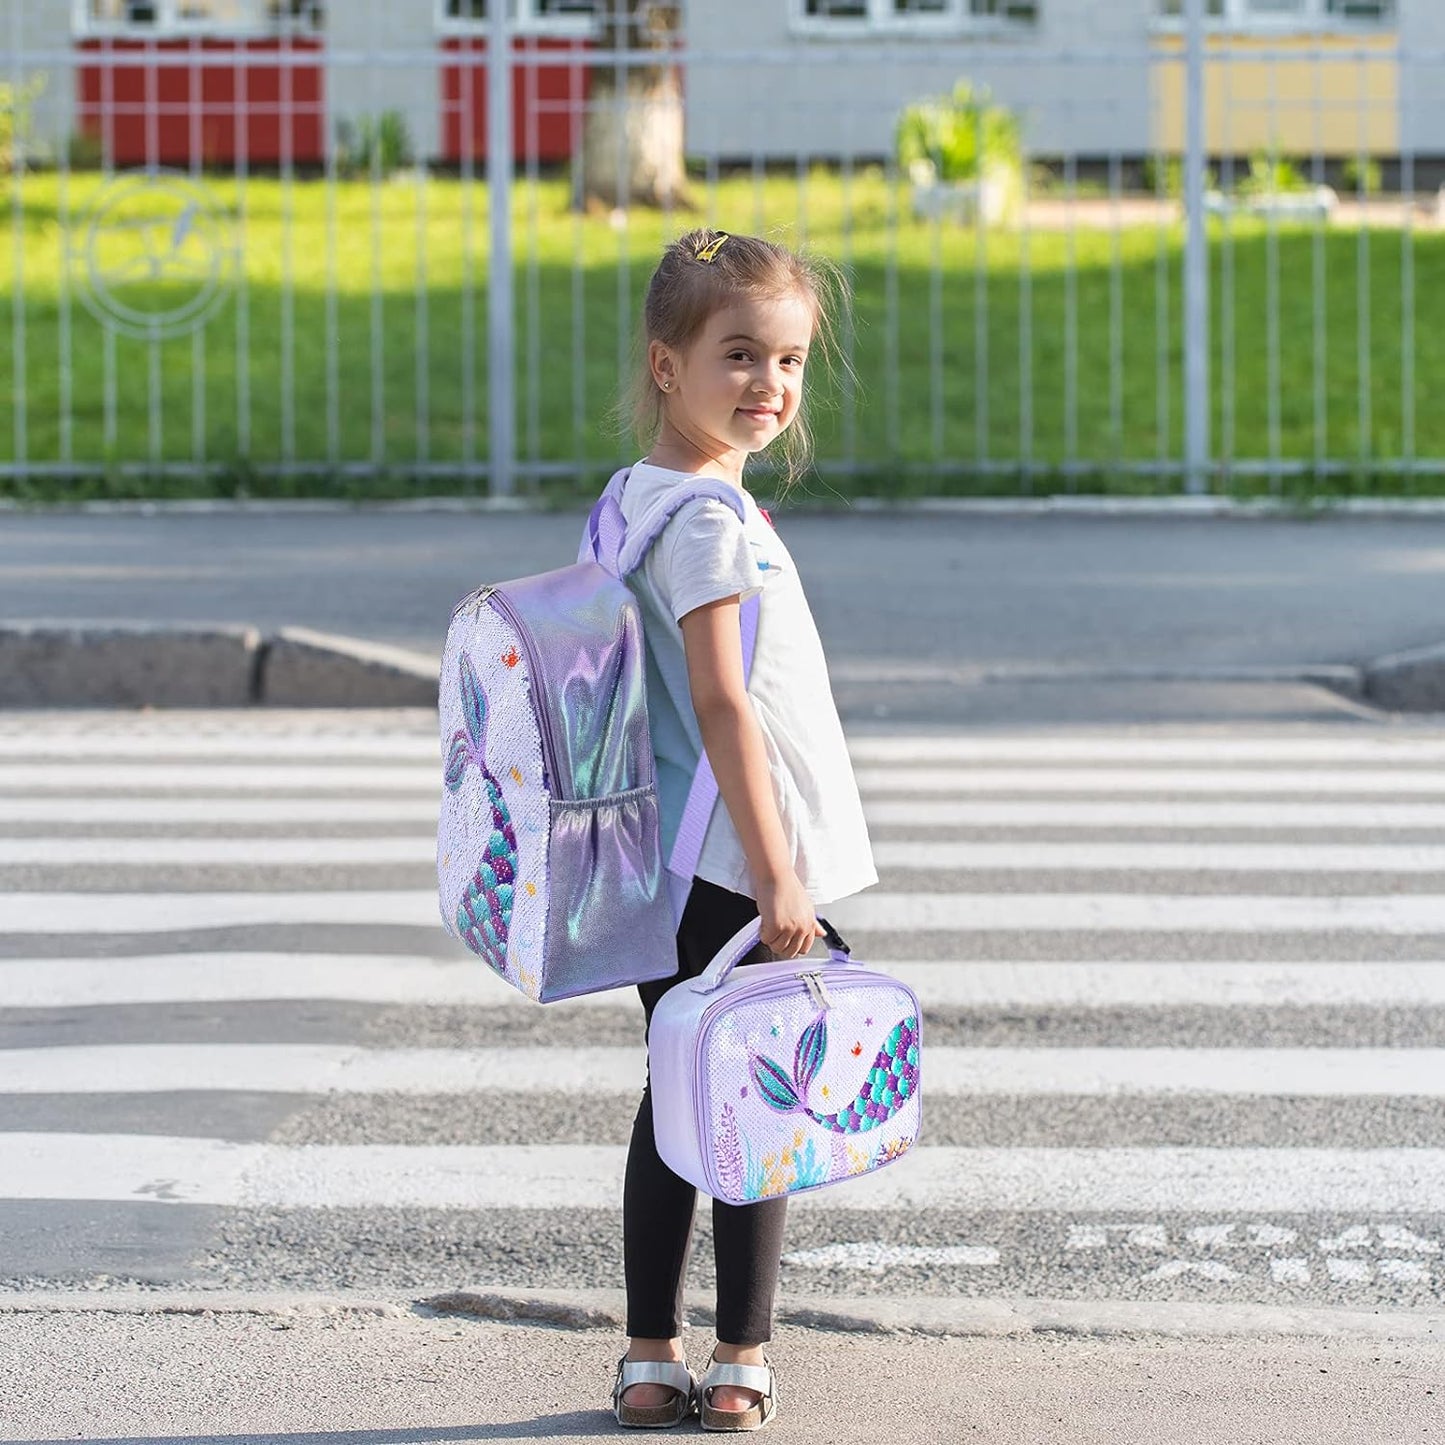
x=401, y=246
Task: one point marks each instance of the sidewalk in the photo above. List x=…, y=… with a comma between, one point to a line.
x=316, y=1372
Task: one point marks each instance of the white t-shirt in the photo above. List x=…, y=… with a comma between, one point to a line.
x=703, y=554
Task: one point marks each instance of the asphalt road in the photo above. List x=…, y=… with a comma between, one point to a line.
x=1184, y=987
x=942, y=619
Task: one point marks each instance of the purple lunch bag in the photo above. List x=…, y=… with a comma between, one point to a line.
x=784, y=1077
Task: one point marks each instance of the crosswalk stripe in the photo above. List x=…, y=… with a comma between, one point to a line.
x=233, y=977
x=1139, y=913
x=71, y=736
x=1117, y=746
x=1091, y=856
x=947, y=1071
x=962, y=813
x=945, y=855
x=179, y=852
x=100, y=778
x=164, y=1169
x=211, y=812
x=113, y=778
x=887, y=812
x=89, y=913
x=1270, y=781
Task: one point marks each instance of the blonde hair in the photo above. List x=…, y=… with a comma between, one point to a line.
x=699, y=274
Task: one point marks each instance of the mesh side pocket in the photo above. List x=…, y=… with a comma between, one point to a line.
x=608, y=918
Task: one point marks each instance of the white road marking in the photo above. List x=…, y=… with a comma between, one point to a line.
x=874, y=1258
x=941, y=855
x=65, y=736
x=948, y=1072
x=95, y=777
x=1349, y=1271
x=92, y=778
x=1207, y=1268
x=962, y=813
x=179, y=852
x=1406, y=1271
x=1089, y=856
x=1141, y=913
x=89, y=913
x=420, y=812
x=318, y=1069
x=1294, y=1270
x=214, y=812
x=1114, y=781
x=145, y=740
x=231, y=977
x=226, y=977
x=1115, y=746
x=531, y=1177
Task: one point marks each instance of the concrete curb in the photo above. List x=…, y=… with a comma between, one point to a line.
x=54, y=664
x=60, y=664
x=932, y=1315
x=1411, y=681
x=302, y=668
x=79, y=665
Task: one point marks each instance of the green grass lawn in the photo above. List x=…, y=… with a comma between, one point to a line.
x=921, y=416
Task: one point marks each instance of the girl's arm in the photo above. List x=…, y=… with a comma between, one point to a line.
x=712, y=641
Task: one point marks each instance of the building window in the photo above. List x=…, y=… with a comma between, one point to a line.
x=1266, y=14
x=549, y=17
x=195, y=17
x=836, y=17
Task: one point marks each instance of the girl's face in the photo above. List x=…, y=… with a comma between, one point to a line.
x=739, y=385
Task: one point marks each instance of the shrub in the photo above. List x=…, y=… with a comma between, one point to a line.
x=374, y=143
x=1273, y=175
x=1363, y=176
x=15, y=104
x=962, y=136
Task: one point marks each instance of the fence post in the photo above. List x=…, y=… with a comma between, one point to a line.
x=1196, y=260
x=501, y=342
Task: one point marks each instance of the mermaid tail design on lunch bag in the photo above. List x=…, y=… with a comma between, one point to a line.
x=484, y=915
x=891, y=1082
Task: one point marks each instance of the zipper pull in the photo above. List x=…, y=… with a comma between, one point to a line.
x=817, y=990
x=474, y=600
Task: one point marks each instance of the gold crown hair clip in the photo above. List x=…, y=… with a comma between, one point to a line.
x=708, y=253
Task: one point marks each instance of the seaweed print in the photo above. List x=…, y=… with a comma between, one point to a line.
x=731, y=1171
x=484, y=914
x=891, y=1082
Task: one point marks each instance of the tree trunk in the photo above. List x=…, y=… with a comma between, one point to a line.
x=632, y=142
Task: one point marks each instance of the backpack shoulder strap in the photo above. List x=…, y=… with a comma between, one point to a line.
x=702, y=796
x=638, y=541
x=608, y=541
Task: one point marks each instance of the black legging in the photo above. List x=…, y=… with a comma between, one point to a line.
x=657, y=1206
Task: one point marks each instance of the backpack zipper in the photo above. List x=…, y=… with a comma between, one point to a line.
x=499, y=603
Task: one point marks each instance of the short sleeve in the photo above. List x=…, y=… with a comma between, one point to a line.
x=703, y=555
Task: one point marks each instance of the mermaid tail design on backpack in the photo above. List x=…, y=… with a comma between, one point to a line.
x=549, y=847
x=484, y=914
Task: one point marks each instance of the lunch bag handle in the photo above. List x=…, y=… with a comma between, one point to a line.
x=747, y=938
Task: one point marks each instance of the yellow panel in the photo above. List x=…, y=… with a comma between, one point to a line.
x=1336, y=106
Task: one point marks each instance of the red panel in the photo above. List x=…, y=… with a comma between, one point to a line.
x=161, y=114
x=552, y=95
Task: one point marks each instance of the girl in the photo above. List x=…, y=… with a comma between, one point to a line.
x=729, y=324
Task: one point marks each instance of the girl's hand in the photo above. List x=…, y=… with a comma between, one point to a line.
x=790, y=923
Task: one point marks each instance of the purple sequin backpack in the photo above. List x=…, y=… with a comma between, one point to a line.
x=549, y=854
x=784, y=1077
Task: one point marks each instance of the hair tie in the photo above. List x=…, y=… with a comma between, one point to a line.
x=708, y=253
